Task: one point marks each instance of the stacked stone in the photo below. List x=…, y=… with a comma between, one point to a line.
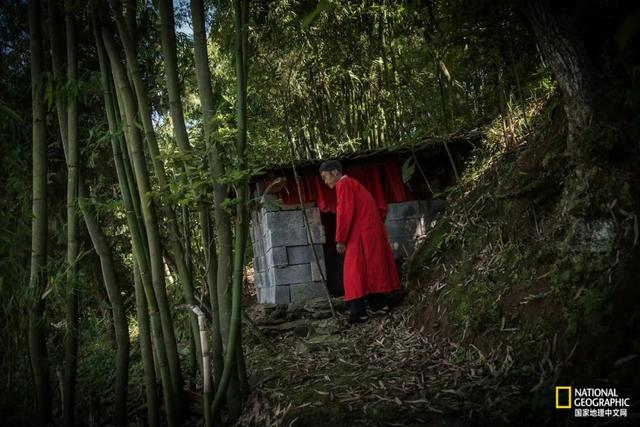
x=406, y=222
x=285, y=268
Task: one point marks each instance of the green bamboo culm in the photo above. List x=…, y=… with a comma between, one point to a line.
x=134, y=225
x=71, y=330
x=146, y=351
x=241, y=212
x=154, y=258
x=96, y=234
x=140, y=100
x=38, y=277
x=217, y=268
x=168, y=39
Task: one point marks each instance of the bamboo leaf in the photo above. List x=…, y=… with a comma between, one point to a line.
x=408, y=169
x=322, y=6
x=9, y=113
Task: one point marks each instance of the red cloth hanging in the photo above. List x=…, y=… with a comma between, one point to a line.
x=389, y=190
x=395, y=189
x=313, y=190
x=325, y=197
x=369, y=177
x=289, y=194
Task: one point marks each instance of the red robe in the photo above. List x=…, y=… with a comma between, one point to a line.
x=369, y=266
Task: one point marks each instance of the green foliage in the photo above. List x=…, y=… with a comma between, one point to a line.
x=328, y=77
x=526, y=255
x=408, y=169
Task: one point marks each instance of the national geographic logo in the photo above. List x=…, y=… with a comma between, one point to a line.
x=592, y=402
x=563, y=397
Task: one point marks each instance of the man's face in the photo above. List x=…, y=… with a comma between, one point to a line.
x=330, y=177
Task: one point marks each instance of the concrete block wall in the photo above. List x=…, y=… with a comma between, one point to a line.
x=407, y=221
x=285, y=269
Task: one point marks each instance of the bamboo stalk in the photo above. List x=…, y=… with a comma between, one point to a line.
x=37, y=278
x=241, y=30
x=98, y=238
x=71, y=329
x=217, y=278
x=153, y=286
x=206, y=365
x=146, y=351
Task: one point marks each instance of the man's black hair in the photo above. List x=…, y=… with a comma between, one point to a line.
x=330, y=165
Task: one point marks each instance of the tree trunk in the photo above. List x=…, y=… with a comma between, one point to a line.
x=38, y=277
x=571, y=67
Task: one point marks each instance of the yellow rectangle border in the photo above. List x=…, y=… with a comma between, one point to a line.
x=558, y=388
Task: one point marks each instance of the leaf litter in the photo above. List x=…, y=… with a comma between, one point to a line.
x=383, y=372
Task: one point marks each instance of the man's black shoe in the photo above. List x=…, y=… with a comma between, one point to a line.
x=359, y=319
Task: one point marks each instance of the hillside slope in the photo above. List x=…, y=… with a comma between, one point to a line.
x=539, y=259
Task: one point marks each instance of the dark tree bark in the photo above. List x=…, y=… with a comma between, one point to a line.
x=570, y=64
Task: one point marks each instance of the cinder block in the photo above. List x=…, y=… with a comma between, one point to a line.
x=267, y=242
x=282, y=295
x=256, y=246
x=267, y=279
x=277, y=257
x=407, y=227
x=303, y=254
x=315, y=271
x=294, y=217
x=291, y=274
x=306, y=291
x=266, y=295
x=317, y=233
x=402, y=246
x=284, y=219
x=432, y=208
x=285, y=237
x=260, y=280
x=403, y=210
x=260, y=263
x=313, y=216
x=262, y=226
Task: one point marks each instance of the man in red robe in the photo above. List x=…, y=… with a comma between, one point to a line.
x=369, y=267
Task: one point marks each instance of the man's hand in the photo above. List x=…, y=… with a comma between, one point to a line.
x=340, y=247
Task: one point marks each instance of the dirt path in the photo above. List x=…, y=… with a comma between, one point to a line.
x=382, y=372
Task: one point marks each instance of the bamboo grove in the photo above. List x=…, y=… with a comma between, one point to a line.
x=145, y=122
x=157, y=226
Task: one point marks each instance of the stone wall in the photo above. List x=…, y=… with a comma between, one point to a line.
x=285, y=269
x=406, y=222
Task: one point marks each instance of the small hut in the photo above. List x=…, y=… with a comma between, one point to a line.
x=293, y=228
